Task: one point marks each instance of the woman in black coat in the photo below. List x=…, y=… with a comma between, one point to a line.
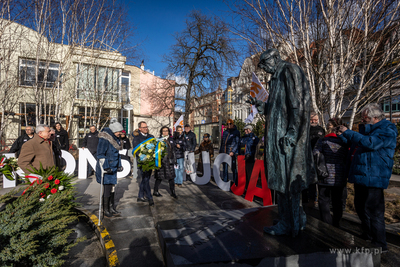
x=167, y=170
x=61, y=141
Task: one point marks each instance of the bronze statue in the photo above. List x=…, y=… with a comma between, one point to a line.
x=288, y=154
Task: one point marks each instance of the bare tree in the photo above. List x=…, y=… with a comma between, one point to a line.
x=346, y=47
x=201, y=54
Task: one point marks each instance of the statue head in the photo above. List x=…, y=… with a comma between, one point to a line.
x=269, y=59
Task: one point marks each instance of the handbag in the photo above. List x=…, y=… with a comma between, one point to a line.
x=322, y=171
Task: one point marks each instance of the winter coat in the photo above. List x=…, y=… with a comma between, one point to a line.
x=287, y=112
x=179, y=140
x=335, y=154
x=35, y=152
x=249, y=142
x=260, y=149
x=372, y=163
x=108, y=149
x=167, y=170
x=191, y=142
x=204, y=146
x=316, y=132
x=126, y=144
x=62, y=141
x=16, y=147
x=91, y=141
x=230, y=141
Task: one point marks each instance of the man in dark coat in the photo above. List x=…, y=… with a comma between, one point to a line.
x=190, y=138
x=141, y=135
x=16, y=147
x=230, y=145
x=288, y=155
x=371, y=169
x=316, y=132
x=249, y=142
x=90, y=142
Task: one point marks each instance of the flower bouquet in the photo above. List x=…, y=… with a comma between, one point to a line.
x=52, y=180
x=8, y=167
x=150, y=153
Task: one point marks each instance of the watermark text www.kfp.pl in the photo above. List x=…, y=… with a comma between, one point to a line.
x=356, y=250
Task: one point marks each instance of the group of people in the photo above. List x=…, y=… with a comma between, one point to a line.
x=364, y=158
x=30, y=151
x=172, y=165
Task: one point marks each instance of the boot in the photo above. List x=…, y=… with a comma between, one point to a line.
x=112, y=204
x=106, y=207
x=173, y=194
x=157, y=194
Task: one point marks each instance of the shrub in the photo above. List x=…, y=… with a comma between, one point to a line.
x=34, y=232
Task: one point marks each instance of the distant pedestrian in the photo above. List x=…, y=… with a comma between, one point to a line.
x=191, y=143
x=90, y=142
x=56, y=150
x=230, y=145
x=371, y=169
x=109, y=160
x=207, y=146
x=38, y=151
x=180, y=146
x=17, y=145
x=310, y=194
x=141, y=135
x=167, y=170
x=249, y=142
x=330, y=155
x=61, y=137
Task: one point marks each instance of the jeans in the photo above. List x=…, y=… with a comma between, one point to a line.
x=325, y=195
x=179, y=171
x=144, y=188
x=370, y=206
x=234, y=171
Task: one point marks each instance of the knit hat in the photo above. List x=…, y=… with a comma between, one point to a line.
x=249, y=127
x=115, y=126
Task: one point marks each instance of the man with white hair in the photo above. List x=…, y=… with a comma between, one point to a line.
x=16, y=147
x=370, y=169
x=37, y=151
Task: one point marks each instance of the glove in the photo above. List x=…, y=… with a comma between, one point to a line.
x=120, y=169
x=108, y=171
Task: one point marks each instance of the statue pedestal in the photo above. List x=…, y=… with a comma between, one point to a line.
x=221, y=238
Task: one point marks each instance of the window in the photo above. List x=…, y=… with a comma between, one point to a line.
x=31, y=115
x=47, y=73
x=125, y=78
x=98, y=83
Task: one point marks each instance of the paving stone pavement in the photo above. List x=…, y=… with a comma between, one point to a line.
x=134, y=231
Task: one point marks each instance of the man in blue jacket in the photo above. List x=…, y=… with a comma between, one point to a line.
x=371, y=169
x=230, y=145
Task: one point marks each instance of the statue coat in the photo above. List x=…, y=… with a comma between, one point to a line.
x=288, y=168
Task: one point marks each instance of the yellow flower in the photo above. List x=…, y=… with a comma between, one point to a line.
x=150, y=150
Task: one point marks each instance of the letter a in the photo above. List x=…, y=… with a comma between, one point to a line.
x=253, y=190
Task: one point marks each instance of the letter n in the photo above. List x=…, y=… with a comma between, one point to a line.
x=253, y=190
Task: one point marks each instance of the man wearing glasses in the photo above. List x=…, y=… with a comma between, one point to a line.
x=144, y=189
x=230, y=145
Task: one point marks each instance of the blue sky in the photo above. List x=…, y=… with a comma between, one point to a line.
x=157, y=20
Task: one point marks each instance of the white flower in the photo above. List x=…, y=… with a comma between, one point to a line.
x=162, y=148
x=41, y=199
x=61, y=187
x=150, y=150
x=48, y=196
